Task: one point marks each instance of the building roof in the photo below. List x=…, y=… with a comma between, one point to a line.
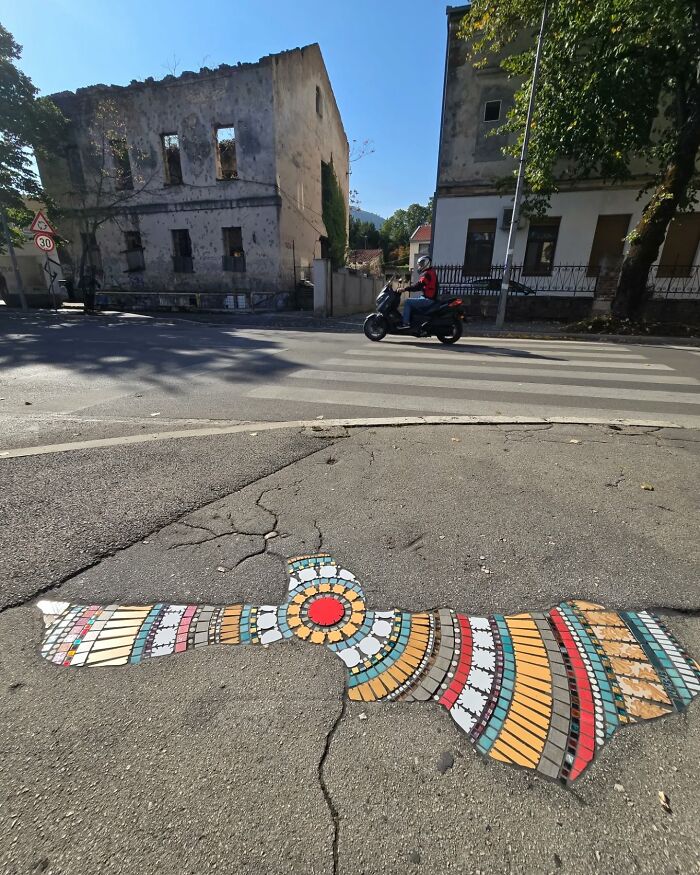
x=422, y=234
x=363, y=256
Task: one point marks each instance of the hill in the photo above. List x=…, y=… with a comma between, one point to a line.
x=364, y=216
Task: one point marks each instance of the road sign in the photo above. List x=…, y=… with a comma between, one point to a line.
x=41, y=225
x=44, y=242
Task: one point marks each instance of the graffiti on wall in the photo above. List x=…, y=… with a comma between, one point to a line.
x=542, y=690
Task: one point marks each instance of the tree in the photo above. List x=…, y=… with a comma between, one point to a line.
x=363, y=235
x=618, y=99
x=27, y=122
x=397, y=229
x=335, y=214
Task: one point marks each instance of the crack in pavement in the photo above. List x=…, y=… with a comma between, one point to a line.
x=332, y=809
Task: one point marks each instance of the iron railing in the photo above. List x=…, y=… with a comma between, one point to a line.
x=677, y=281
x=569, y=280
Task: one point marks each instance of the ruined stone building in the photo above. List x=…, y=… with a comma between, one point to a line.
x=586, y=224
x=202, y=182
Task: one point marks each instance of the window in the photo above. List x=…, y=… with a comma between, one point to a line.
x=319, y=102
x=681, y=246
x=226, y=165
x=182, y=251
x=234, y=257
x=492, y=110
x=481, y=234
x=541, y=245
x=423, y=248
x=75, y=167
x=171, y=159
x=122, y=165
x=608, y=243
x=133, y=251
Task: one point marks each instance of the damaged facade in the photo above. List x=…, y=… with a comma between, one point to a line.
x=204, y=182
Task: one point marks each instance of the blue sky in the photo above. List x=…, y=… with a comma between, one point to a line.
x=385, y=59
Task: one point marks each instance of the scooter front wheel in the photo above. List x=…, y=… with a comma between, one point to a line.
x=375, y=327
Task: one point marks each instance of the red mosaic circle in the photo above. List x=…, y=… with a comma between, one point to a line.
x=326, y=612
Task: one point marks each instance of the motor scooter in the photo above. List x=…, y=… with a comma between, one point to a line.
x=444, y=320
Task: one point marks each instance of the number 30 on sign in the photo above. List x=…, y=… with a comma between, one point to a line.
x=44, y=242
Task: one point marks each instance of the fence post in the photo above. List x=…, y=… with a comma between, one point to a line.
x=321, y=278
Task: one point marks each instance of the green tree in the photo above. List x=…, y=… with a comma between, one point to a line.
x=363, y=235
x=335, y=214
x=27, y=122
x=618, y=97
x=397, y=229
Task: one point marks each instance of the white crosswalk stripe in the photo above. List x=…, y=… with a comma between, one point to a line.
x=482, y=376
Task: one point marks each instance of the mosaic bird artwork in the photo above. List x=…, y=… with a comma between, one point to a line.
x=541, y=690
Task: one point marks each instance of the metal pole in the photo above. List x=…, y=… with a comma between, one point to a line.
x=507, y=267
x=13, y=258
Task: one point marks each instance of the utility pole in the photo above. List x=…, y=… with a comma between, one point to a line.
x=13, y=258
x=520, y=184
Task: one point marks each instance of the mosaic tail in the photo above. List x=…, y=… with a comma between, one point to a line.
x=127, y=634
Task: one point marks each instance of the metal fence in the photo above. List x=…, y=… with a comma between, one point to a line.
x=569, y=280
x=677, y=282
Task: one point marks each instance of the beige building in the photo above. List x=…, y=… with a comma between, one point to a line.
x=204, y=182
x=418, y=245
x=585, y=229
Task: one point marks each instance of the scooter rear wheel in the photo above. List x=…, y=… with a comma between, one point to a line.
x=451, y=334
x=375, y=327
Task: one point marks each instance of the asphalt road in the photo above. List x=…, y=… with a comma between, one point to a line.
x=68, y=377
x=246, y=760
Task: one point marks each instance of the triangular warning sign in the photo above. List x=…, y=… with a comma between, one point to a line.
x=41, y=225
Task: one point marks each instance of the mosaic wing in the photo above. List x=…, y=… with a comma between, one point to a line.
x=79, y=635
x=540, y=690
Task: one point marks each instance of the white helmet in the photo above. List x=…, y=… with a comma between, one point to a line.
x=423, y=263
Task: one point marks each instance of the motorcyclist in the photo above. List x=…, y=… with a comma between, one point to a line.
x=427, y=285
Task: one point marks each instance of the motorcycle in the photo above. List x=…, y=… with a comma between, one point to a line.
x=444, y=321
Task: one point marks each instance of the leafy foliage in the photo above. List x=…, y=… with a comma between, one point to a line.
x=363, y=235
x=26, y=122
x=335, y=212
x=398, y=227
x=618, y=97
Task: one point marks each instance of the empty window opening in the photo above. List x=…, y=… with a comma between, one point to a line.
x=171, y=159
x=234, y=256
x=133, y=249
x=478, y=255
x=492, y=110
x=182, y=251
x=122, y=164
x=681, y=246
x=541, y=245
x=608, y=243
x=75, y=167
x=226, y=163
x=319, y=102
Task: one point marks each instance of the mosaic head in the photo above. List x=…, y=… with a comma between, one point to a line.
x=326, y=604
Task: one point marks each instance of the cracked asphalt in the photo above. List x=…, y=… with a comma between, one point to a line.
x=250, y=760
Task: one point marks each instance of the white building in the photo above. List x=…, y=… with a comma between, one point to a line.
x=418, y=245
x=584, y=230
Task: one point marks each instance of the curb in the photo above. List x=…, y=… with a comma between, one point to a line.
x=328, y=425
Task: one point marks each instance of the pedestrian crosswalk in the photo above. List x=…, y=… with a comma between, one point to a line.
x=484, y=376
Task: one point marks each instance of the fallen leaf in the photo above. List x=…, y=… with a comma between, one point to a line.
x=648, y=487
x=665, y=801
x=574, y=441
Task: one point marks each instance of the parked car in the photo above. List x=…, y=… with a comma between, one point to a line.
x=492, y=286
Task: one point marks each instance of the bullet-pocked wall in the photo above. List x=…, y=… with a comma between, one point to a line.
x=193, y=177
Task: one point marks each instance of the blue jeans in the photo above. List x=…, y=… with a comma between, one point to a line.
x=416, y=305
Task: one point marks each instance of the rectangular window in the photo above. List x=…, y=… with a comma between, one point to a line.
x=122, y=164
x=681, y=246
x=226, y=164
x=182, y=251
x=319, y=102
x=423, y=248
x=608, y=243
x=541, y=246
x=171, y=159
x=133, y=251
x=481, y=235
x=492, y=111
x=234, y=257
x=75, y=167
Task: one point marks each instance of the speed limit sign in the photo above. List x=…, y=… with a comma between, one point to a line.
x=44, y=242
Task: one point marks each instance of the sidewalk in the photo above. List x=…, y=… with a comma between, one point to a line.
x=251, y=759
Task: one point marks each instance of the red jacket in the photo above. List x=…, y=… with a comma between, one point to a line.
x=428, y=283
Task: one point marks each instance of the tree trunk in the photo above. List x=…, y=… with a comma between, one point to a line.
x=648, y=236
